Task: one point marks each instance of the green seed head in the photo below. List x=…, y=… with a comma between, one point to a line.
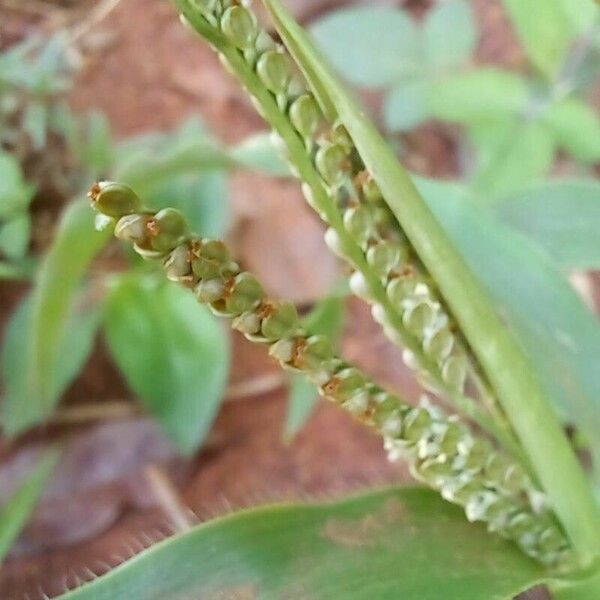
x=166, y=230
x=460, y=489
x=551, y=541
x=474, y=455
x=239, y=26
x=359, y=224
x=370, y=190
x=305, y=116
x=514, y=479
x=438, y=343
x=246, y=294
x=296, y=88
x=283, y=350
x=114, y=199
x=281, y=322
x=495, y=468
x=211, y=258
x=264, y=42
x=417, y=423
x=132, y=228
x=315, y=358
x=388, y=416
x=385, y=257
x=401, y=287
x=450, y=437
x=520, y=524
x=330, y=161
x=275, y=71
x=454, y=372
x=205, y=6
x=177, y=264
x=419, y=314
x=481, y=505
x=339, y=135
x=247, y=323
x=433, y=471
x=210, y=290
x=348, y=382
x=358, y=403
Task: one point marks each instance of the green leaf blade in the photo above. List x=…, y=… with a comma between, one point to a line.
x=520, y=155
x=450, y=34
x=302, y=400
x=576, y=128
x=37, y=360
x=348, y=37
x=545, y=30
x=563, y=217
x=75, y=245
x=385, y=545
x=173, y=354
x=550, y=321
x=21, y=408
x=14, y=514
x=480, y=95
x=407, y=105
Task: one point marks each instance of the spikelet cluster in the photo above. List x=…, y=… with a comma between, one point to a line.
x=438, y=355
x=442, y=452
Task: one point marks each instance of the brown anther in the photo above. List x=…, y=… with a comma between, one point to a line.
x=188, y=281
x=94, y=192
x=152, y=228
x=323, y=132
x=229, y=287
x=331, y=387
x=408, y=271
x=265, y=309
x=362, y=178
x=194, y=250
x=299, y=347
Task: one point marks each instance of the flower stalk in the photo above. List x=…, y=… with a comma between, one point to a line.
x=442, y=452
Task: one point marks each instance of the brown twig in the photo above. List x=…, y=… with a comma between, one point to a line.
x=121, y=409
x=168, y=498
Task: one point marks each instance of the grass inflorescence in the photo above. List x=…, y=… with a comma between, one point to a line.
x=464, y=467
x=362, y=230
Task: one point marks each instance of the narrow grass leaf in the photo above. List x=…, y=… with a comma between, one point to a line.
x=15, y=513
x=302, y=400
x=21, y=407
x=45, y=368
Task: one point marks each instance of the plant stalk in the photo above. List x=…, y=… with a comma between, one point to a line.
x=503, y=361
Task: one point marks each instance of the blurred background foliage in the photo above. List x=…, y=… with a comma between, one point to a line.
x=524, y=209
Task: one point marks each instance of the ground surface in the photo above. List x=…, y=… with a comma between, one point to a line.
x=146, y=72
